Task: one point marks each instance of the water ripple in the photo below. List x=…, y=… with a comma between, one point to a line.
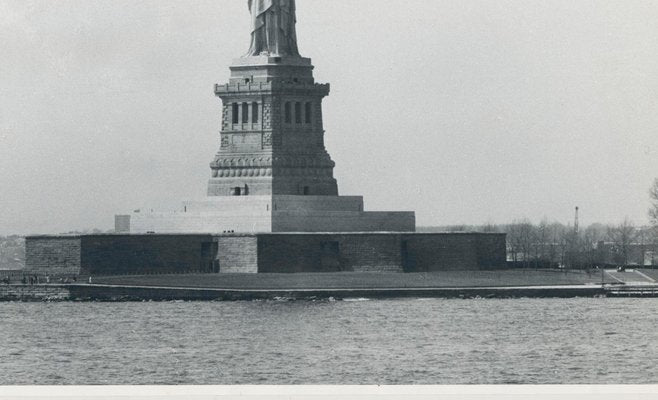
x=433, y=341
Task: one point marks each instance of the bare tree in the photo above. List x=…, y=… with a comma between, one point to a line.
x=569, y=246
x=644, y=239
x=653, y=216
x=457, y=228
x=513, y=242
x=529, y=234
x=542, y=236
x=521, y=239
x=490, y=227
x=557, y=247
x=622, y=236
x=591, y=237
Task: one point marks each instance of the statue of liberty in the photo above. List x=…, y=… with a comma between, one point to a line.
x=273, y=28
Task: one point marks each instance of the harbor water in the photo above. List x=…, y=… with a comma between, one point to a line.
x=356, y=341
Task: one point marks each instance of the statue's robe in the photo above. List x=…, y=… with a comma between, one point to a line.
x=273, y=28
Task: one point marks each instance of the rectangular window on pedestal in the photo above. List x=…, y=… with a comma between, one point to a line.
x=288, y=113
x=236, y=113
x=298, y=113
x=308, y=114
x=254, y=113
x=245, y=113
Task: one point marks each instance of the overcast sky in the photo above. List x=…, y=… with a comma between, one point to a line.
x=464, y=111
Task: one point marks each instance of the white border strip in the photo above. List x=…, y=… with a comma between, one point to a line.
x=554, y=392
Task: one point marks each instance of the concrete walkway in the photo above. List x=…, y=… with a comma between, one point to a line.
x=137, y=293
x=631, y=277
x=647, y=277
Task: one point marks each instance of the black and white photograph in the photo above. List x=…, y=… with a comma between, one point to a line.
x=329, y=199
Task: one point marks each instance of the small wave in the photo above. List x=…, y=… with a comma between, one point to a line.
x=356, y=299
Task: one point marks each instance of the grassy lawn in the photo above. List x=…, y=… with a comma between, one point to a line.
x=360, y=280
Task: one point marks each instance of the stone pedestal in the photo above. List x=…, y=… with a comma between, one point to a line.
x=272, y=138
x=278, y=213
x=272, y=172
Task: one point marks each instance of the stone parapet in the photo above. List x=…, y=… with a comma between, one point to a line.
x=272, y=213
x=257, y=205
x=200, y=222
x=342, y=221
x=283, y=203
x=272, y=69
x=264, y=60
x=260, y=88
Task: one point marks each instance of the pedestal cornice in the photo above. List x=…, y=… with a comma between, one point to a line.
x=227, y=89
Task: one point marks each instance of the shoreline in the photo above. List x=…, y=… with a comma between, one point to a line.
x=122, y=293
x=373, y=285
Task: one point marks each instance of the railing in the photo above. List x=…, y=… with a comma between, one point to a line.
x=38, y=278
x=631, y=291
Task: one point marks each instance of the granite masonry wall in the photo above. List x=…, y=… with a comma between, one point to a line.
x=491, y=250
x=437, y=252
x=264, y=253
x=453, y=251
x=53, y=255
x=237, y=254
x=146, y=254
x=380, y=252
x=328, y=253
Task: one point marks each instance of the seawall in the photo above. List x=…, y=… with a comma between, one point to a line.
x=78, y=292
x=34, y=293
